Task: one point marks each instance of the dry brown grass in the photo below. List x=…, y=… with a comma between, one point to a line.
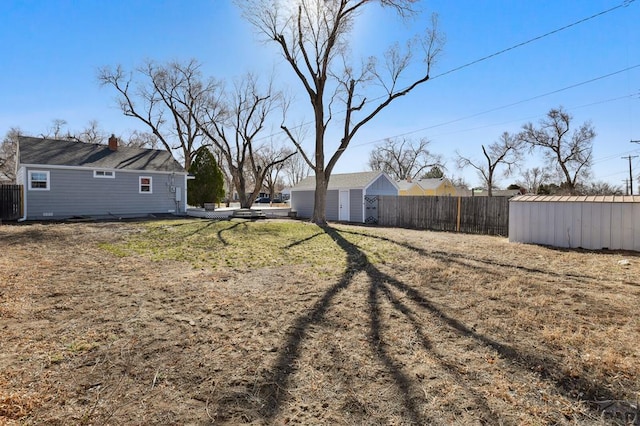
x=286, y=323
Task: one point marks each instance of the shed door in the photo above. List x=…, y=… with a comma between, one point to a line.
x=343, y=213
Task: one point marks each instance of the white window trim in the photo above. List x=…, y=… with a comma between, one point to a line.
x=106, y=174
x=140, y=191
x=48, y=180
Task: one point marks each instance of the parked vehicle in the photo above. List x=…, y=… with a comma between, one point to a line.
x=262, y=200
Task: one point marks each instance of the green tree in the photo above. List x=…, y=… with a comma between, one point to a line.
x=208, y=185
x=434, y=173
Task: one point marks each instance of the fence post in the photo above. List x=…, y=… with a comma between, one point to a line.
x=458, y=218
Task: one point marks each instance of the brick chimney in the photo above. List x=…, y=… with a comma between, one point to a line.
x=113, y=143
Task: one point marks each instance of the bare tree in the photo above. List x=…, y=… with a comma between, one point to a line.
x=167, y=98
x=8, y=149
x=532, y=179
x=140, y=139
x=296, y=169
x=313, y=37
x=600, y=188
x=570, y=153
x=273, y=181
x=403, y=158
x=92, y=133
x=459, y=182
x=56, y=131
x=505, y=151
x=232, y=123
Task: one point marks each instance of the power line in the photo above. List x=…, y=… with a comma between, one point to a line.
x=538, y=115
x=625, y=3
x=513, y=104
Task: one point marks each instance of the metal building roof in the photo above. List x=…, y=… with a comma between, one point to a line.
x=577, y=198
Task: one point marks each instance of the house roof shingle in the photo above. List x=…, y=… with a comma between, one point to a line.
x=52, y=152
x=431, y=183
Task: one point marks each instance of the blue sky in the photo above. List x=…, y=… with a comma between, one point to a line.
x=52, y=50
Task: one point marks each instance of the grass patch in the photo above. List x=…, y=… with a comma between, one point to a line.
x=243, y=245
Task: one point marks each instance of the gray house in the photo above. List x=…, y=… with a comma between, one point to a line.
x=345, y=195
x=64, y=179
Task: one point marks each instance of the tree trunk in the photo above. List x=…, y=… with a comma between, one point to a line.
x=490, y=183
x=320, y=200
x=245, y=201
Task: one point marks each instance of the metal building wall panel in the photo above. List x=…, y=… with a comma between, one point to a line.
x=635, y=209
x=587, y=231
x=616, y=226
x=578, y=222
x=548, y=223
x=605, y=225
x=627, y=227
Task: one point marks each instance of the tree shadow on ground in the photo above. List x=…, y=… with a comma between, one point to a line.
x=274, y=387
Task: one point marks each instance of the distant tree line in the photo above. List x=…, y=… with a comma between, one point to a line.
x=567, y=153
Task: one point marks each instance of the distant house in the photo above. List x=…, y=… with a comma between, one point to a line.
x=409, y=187
x=437, y=186
x=429, y=187
x=65, y=179
x=345, y=195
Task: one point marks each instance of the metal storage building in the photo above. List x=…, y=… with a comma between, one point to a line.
x=589, y=222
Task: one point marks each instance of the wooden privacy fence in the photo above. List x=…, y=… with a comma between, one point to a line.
x=472, y=215
x=10, y=202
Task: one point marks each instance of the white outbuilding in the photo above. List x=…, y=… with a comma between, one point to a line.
x=347, y=195
x=589, y=222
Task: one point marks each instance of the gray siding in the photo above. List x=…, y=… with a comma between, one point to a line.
x=75, y=192
x=302, y=202
x=356, y=205
x=333, y=204
x=382, y=186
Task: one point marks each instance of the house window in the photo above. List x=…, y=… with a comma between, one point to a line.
x=38, y=180
x=145, y=185
x=103, y=174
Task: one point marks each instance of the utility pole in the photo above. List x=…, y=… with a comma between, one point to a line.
x=630, y=173
x=630, y=176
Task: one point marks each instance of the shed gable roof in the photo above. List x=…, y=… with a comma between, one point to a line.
x=432, y=183
x=52, y=152
x=404, y=185
x=341, y=181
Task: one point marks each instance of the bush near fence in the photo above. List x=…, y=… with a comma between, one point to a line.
x=10, y=202
x=472, y=215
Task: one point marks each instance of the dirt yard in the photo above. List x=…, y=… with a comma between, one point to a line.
x=282, y=322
